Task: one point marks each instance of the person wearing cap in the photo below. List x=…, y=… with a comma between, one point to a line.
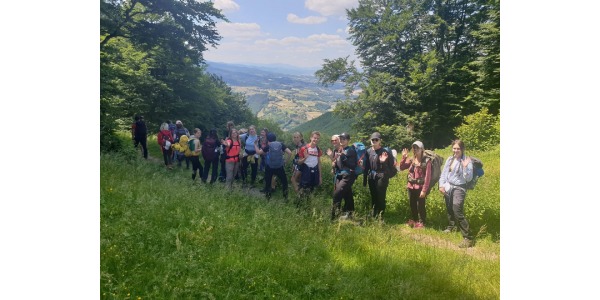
x=345, y=162
x=457, y=171
x=165, y=139
x=274, y=164
x=419, y=182
x=379, y=168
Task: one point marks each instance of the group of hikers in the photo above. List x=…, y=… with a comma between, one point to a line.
x=240, y=149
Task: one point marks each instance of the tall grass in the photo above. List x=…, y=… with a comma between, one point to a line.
x=163, y=237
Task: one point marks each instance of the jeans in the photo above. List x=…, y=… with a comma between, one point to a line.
x=343, y=190
x=378, y=185
x=417, y=206
x=455, y=203
x=207, y=165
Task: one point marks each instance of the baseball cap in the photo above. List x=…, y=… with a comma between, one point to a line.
x=179, y=122
x=344, y=136
x=419, y=144
x=376, y=135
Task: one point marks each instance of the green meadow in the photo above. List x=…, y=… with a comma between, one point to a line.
x=163, y=237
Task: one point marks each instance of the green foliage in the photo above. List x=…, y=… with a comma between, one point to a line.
x=328, y=124
x=426, y=65
x=480, y=131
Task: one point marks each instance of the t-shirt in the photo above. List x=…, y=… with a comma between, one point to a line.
x=249, y=146
x=313, y=155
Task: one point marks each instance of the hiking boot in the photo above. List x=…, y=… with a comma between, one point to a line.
x=411, y=223
x=419, y=225
x=466, y=243
x=448, y=229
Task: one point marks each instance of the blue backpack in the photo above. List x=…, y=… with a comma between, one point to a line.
x=275, y=155
x=477, y=172
x=360, y=154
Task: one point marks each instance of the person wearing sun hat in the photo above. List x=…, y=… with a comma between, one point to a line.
x=345, y=162
x=418, y=183
x=379, y=168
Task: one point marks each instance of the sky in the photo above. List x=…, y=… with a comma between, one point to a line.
x=293, y=32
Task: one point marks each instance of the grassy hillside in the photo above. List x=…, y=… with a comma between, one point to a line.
x=164, y=238
x=328, y=124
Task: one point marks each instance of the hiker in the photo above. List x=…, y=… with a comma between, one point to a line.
x=379, y=168
x=194, y=152
x=345, y=163
x=181, y=131
x=458, y=170
x=309, y=162
x=172, y=128
x=222, y=173
x=232, y=156
x=140, y=134
x=210, y=153
x=262, y=142
x=275, y=162
x=165, y=139
x=182, y=146
x=418, y=183
x=249, y=158
x=335, y=143
x=298, y=140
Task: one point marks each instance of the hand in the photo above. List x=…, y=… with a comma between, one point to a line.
x=423, y=194
x=383, y=156
x=442, y=190
x=404, y=153
x=466, y=161
x=329, y=152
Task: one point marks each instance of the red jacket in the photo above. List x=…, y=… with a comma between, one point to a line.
x=417, y=172
x=164, y=135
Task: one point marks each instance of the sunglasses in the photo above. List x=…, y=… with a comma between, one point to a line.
x=333, y=141
x=375, y=140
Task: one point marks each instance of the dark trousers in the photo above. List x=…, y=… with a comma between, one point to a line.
x=142, y=141
x=455, y=204
x=280, y=173
x=196, y=166
x=223, y=172
x=378, y=185
x=417, y=205
x=207, y=165
x=181, y=157
x=254, y=166
x=343, y=190
x=167, y=154
x=309, y=177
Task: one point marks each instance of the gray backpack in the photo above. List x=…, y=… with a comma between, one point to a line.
x=275, y=155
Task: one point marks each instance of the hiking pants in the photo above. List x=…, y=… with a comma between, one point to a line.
x=343, y=190
x=167, y=154
x=254, y=166
x=378, y=185
x=207, y=165
x=196, y=166
x=417, y=206
x=231, y=169
x=309, y=177
x=280, y=173
x=455, y=203
x=142, y=141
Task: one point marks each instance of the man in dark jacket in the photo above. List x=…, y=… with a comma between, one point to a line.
x=141, y=134
x=345, y=163
x=378, y=169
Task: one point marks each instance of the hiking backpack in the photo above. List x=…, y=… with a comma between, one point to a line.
x=477, y=172
x=360, y=154
x=436, y=167
x=191, y=147
x=275, y=155
x=209, y=149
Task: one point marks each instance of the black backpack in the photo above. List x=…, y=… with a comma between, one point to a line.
x=209, y=149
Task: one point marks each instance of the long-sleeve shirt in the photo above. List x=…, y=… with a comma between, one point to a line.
x=454, y=174
x=417, y=172
x=346, y=161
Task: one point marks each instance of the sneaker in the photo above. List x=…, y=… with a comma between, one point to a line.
x=419, y=225
x=411, y=223
x=448, y=230
x=467, y=243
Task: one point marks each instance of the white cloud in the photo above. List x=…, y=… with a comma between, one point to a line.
x=239, y=31
x=330, y=7
x=226, y=5
x=292, y=18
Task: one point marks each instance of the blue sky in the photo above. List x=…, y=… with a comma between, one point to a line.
x=295, y=32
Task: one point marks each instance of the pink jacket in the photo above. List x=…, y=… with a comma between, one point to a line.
x=417, y=172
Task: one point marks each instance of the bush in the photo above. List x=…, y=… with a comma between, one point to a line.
x=479, y=131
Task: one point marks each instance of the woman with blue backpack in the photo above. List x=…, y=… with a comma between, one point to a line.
x=457, y=172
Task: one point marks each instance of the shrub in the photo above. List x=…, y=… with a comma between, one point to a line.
x=479, y=131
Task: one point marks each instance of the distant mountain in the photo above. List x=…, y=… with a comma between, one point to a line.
x=288, y=99
x=273, y=68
